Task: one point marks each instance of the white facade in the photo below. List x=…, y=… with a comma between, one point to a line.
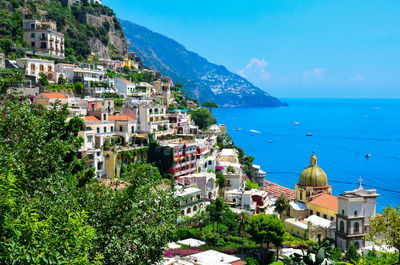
x=33, y=67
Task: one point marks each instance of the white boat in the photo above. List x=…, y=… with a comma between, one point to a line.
x=296, y=123
x=254, y=131
x=238, y=129
x=309, y=134
x=367, y=156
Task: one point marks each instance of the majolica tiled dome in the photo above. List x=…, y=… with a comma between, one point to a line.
x=313, y=175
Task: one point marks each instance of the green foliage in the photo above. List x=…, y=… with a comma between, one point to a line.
x=231, y=169
x=62, y=80
x=6, y=46
x=251, y=185
x=203, y=118
x=266, y=229
x=281, y=204
x=161, y=156
x=322, y=253
x=210, y=105
x=43, y=79
x=386, y=228
x=78, y=86
x=220, y=179
x=351, y=254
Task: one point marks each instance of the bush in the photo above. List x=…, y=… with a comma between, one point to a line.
x=78, y=87
x=251, y=261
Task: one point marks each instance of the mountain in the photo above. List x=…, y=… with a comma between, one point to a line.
x=200, y=78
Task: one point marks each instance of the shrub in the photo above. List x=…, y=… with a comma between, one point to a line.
x=251, y=261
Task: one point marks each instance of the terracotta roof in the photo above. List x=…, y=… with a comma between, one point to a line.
x=327, y=201
x=126, y=81
x=276, y=190
x=239, y=262
x=91, y=118
x=120, y=118
x=115, y=183
x=54, y=95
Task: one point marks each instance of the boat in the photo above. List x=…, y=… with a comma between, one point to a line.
x=270, y=141
x=367, y=156
x=252, y=134
x=238, y=129
x=254, y=131
x=296, y=123
x=309, y=134
x=234, y=118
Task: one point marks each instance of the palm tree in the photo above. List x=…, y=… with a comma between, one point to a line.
x=201, y=218
x=243, y=221
x=281, y=205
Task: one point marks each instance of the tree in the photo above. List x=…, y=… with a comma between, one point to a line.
x=386, y=228
x=6, y=46
x=265, y=228
x=243, y=222
x=216, y=211
x=210, y=105
x=281, y=205
x=220, y=179
x=203, y=118
x=201, y=218
x=62, y=80
x=351, y=254
x=78, y=86
x=43, y=81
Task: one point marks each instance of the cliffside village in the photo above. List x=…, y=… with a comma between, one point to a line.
x=115, y=135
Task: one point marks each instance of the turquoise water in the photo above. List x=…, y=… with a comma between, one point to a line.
x=343, y=132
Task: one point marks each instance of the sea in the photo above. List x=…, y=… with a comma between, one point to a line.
x=343, y=132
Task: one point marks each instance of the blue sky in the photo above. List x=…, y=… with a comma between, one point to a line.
x=290, y=48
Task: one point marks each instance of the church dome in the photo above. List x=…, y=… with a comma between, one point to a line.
x=313, y=175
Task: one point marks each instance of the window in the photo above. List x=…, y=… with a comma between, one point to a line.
x=311, y=212
x=104, y=115
x=332, y=218
x=357, y=244
x=98, y=130
x=325, y=216
x=33, y=44
x=32, y=26
x=121, y=128
x=133, y=129
x=33, y=67
x=41, y=68
x=105, y=129
x=319, y=236
x=49, y=68
x=33, y=35
x=318, y=214
x=112, y=128
x=342, y=211
x=301, y=195
x=43, y=45
x=355, y=213
x=356, y=228
x=92, y=106
x=341, y=226
x=89, y=138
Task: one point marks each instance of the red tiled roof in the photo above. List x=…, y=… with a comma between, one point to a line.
x=120, y=118
x=239, y=262
x=54, y=95
x=126, y=81
x=327, y=201
x=276, y=190
x=91, y=118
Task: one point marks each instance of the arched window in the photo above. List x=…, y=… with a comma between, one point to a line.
x=41, y=68
x=301, y=195
x=355, y=213
x=194, y=208
x=33, y=67
x=188, y=210
x=356, y=228
x=341, y=226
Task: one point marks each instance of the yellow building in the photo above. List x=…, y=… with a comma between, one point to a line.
x=129, y=63
x=313, y=195
x=312, y=228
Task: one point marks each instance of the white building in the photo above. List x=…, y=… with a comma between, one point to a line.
x=191, y=200
x=33, y=68
x=205, y=181
x=352, y=222
x=129, y=89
